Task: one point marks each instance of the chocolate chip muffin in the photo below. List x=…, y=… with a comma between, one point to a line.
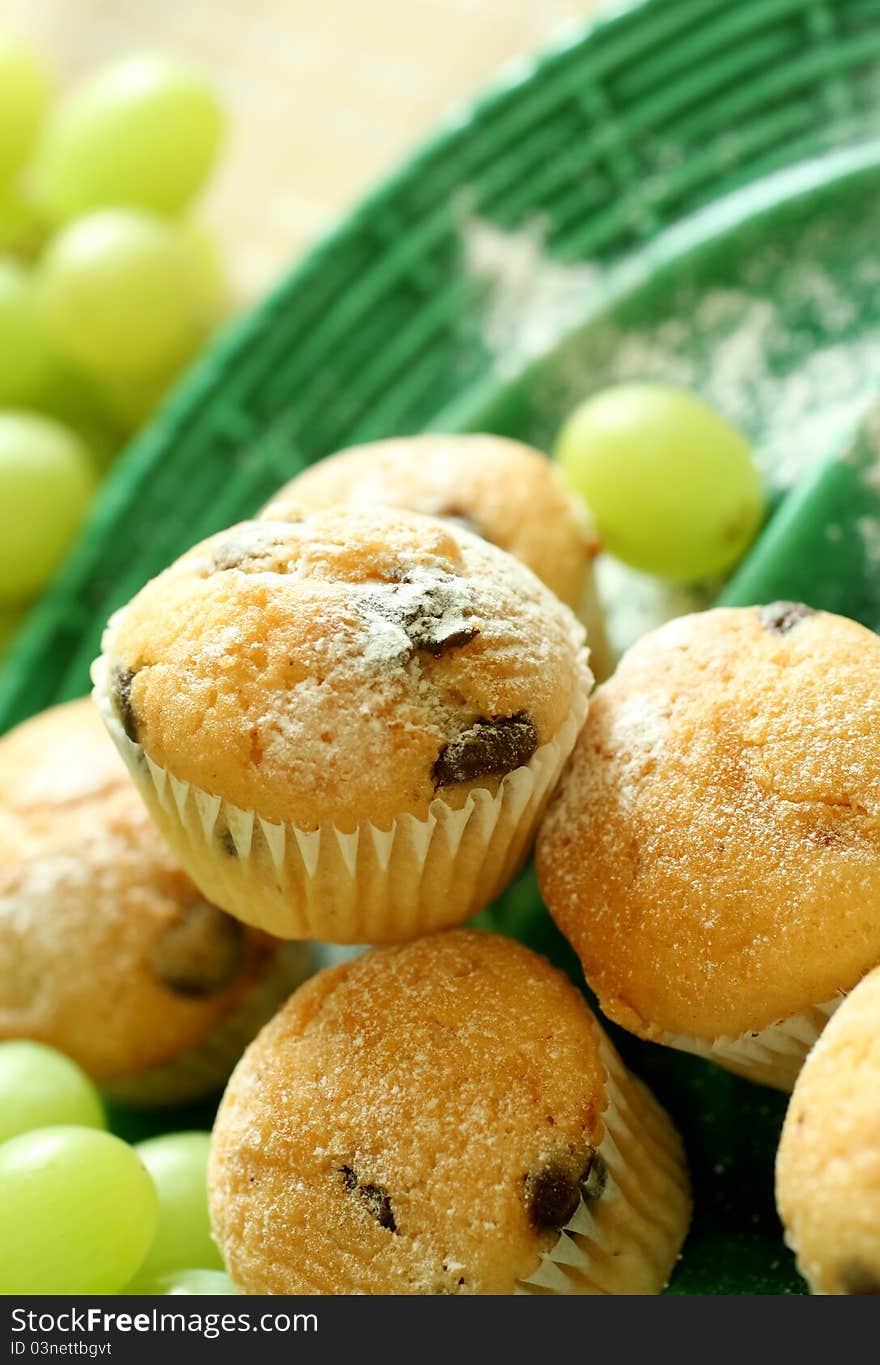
x=502, y=490
x=828, y=1167
x=107, y=950
x=443, y=1117
x=346, y=726
x=713, y=853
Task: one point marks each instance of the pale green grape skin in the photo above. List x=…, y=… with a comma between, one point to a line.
x=132, y=401
x=41, y=1088
x=24, y=93
x=26, y=352
x=22, y=230
x=77, y=1212
x=212, y=282
x=120, y=294
x=671, y=485
x=143, y=133
x=178, y=1164
x=78, y=402
x=46, y=481
x=183, y=1282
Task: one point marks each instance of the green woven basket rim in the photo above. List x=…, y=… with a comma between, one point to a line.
x=374, y=333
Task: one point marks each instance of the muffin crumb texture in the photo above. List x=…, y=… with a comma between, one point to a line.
x=828, y=1167
x=107, y=950
x=713, y=850
x=501, y=490
x=421, y=1120
x=344, y=666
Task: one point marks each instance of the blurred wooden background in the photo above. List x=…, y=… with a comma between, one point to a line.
x=325, y=96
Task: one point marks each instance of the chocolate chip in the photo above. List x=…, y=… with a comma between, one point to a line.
x=594, y=1179
x=858, y=1278
x=248, y=547
x=202, y=952
x=431, y=610
x=375, y=1199
x=551, y=1197
x=121, y=694
x=487, y=748
x=782, y=617
x=436, y=638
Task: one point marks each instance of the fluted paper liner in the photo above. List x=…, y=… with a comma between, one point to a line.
x=206, y=1067
x=592, y=615
x=773, y=1056
x=367, y=886
x=626, y=1240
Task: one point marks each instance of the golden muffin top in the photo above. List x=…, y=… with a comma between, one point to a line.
x=713, y=852
x=107, y=950
x=348, y=667
x=828, y=1167
x=418, y=1120
x=502, y=490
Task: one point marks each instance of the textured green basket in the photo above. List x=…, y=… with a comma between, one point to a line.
x=657, y=112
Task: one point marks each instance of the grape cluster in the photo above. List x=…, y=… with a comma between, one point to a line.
x=81, y=1212
x=107, y=286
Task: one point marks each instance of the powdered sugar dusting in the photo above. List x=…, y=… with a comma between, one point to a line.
x=220, y=643
x=719, y=823
x=428, y=609
x=326, y=678
x=789, y=350
x=528, y=299
x=784, y=341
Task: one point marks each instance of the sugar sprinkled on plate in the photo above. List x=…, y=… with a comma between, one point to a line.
x=786, y=344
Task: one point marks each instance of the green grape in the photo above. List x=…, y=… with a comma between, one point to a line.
x=178, y=1164
x=74, y=399
x=25, y=348
x=671, y=485
x=22, y=231
x=183, y=1282
x=46, y=480
x=120, y=293
x=212, y=284
x=41, y=1088
x=77, y=1212
x=143, y=133
x=131, y=401
x=24, y=91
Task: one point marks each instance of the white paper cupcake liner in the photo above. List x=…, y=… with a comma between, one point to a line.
x=590, y=611
x=367, y=886
x=627, y=1240
x=205, y=1068
x=773, y=1056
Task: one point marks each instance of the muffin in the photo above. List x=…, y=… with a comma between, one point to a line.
x=107, y=950
x=347, y=726
x=713, y=853
x=828, y=1167
x=443, y=1117
x=502, y=490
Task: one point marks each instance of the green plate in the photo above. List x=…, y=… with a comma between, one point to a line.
x=689, y=163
